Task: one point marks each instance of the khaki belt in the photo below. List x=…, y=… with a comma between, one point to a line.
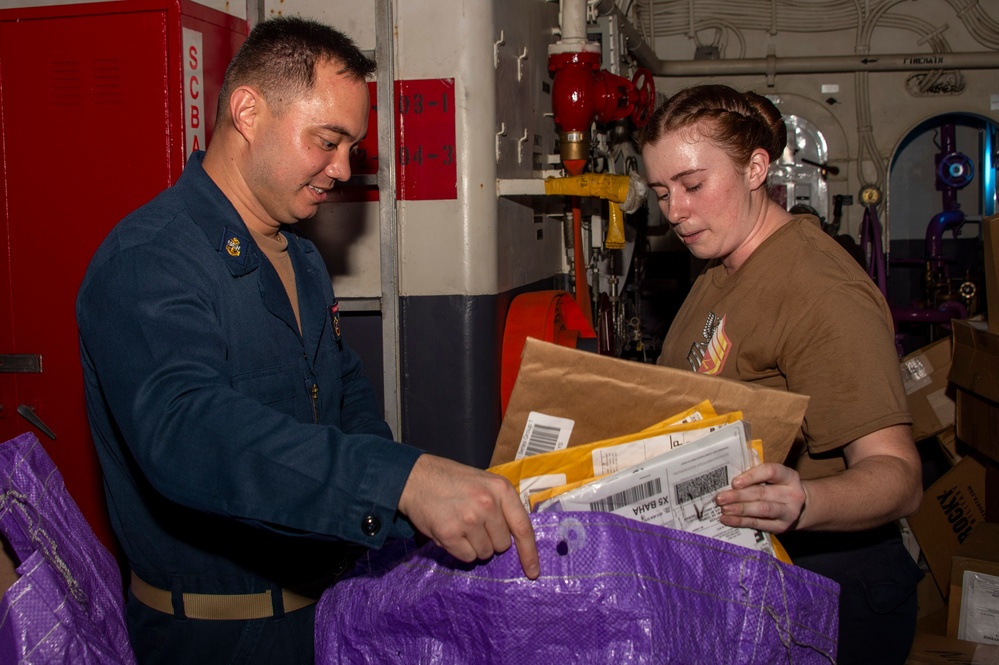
x=240, y=606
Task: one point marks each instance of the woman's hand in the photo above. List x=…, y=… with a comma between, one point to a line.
x=768, y=497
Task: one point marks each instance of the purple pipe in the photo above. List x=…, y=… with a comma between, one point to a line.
x=948, y=143
x=943, y=314
x=951, y=220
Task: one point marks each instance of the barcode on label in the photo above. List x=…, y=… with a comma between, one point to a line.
x=541, y=440
x=695, y=488
x=628, y=496
x=915, y=369
x=916, y=373
x=544, y=434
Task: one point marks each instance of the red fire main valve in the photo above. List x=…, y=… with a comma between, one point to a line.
x=583, y=93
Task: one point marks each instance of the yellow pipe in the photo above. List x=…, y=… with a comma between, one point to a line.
x=612, y=188
x=603, y=185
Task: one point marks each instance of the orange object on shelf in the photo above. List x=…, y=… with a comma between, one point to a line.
x=551, y=316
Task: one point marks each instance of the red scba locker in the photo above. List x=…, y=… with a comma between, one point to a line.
x=100, y=105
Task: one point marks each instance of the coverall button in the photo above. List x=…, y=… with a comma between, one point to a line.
x=370, y=525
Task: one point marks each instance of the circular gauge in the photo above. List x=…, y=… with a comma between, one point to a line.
x=870, y=195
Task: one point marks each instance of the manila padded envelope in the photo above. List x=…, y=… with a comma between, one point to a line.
x=607, y=396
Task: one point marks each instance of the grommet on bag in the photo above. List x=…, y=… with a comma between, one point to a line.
x=571, y=536
x=371, y=525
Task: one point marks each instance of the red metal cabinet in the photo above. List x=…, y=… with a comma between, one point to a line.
x=100, y=105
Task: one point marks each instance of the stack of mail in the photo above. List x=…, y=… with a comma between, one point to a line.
x=667, y=474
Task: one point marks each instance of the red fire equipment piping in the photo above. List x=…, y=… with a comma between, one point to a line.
x=583, y=93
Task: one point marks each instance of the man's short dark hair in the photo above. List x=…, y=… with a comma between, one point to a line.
x=280, y=55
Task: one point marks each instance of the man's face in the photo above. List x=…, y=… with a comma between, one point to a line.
x=701, y=191
x=300, y=151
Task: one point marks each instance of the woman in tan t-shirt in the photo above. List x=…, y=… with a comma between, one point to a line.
x=782, y=304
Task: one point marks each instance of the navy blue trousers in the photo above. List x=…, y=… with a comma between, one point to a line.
x=877, y=578
x=163, y=639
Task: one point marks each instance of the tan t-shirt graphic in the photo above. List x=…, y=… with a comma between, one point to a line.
x=799, y=315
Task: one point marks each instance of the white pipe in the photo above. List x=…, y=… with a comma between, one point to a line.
x=573, y=22
x=771, y=65
x=892, y=62
x=636, y=43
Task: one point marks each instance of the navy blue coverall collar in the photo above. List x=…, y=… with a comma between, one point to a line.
x=214, y=213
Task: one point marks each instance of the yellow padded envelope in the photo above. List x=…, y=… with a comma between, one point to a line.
x=586, y=462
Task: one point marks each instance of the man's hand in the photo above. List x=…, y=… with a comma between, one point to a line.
x=470, y=513
x=768, y=497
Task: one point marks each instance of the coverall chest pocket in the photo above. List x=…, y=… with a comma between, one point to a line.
x=271, y=386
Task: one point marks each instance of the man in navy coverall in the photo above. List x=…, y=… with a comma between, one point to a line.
x=243, y=450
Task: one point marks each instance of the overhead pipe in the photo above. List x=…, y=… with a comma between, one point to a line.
x=635, y=42
x=870, y=62
x=772, y=65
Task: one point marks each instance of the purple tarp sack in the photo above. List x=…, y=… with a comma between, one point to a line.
x=67, y=607
x=612, y=590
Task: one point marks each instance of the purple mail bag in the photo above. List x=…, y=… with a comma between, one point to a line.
x=612, y=590
x=67, y=607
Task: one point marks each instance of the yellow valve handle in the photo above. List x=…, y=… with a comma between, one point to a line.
x=615, y=227
x=612, y=188
x=603, y=185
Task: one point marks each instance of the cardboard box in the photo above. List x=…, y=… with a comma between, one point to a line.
x=930, y=649
x=978, y=423
x=991, y=491
x=990, y=236
x=931, y=398
x=606, y=397
x=951, y=508
x=976, y=621
x=975, y=372
x=947, y=443
x=931, y=605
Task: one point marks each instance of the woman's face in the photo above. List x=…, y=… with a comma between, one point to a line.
x=707, y=198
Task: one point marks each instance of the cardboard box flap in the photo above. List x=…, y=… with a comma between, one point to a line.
x=975, y=365
x=608, y=397
x=929, y=649
x=951, y=507
x=929, y=394
x=982, y=543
